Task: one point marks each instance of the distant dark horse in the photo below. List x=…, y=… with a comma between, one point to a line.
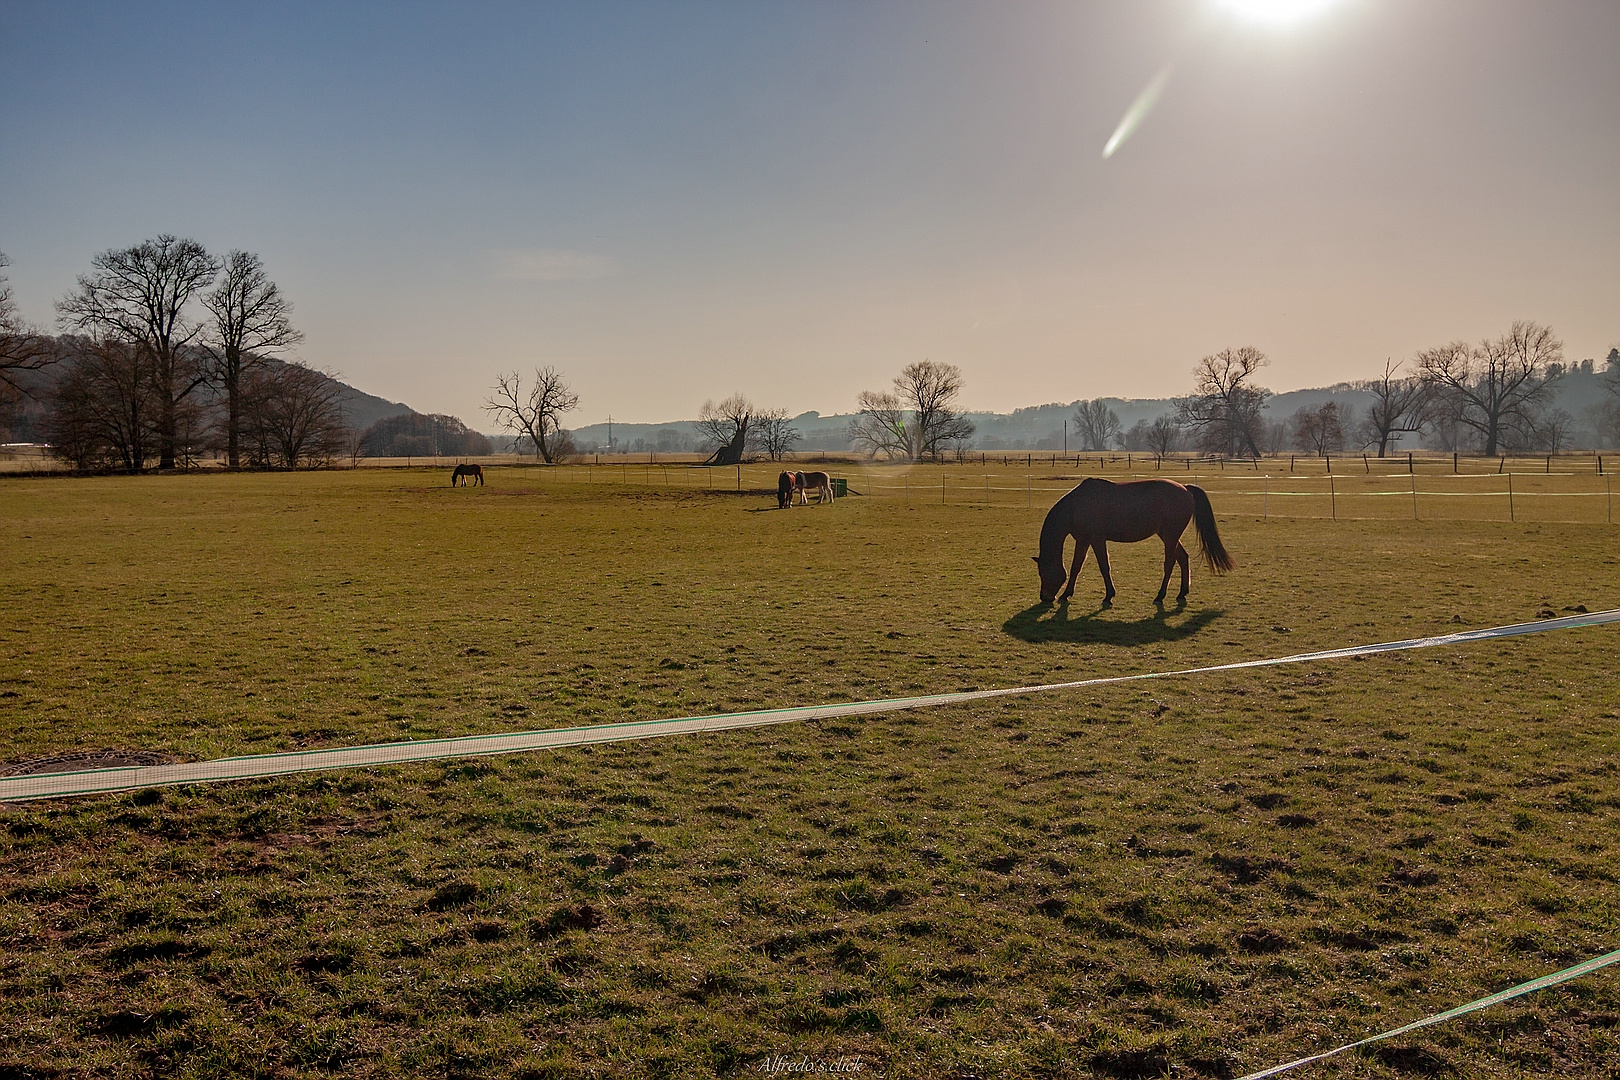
x=466, y=474
x=1100, y=510
x=784, y=491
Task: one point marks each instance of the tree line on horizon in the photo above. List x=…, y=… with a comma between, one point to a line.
x=169, y=352
x=1488, y=397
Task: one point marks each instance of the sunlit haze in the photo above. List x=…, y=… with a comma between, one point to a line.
x=1276, y=11
x=674, y=202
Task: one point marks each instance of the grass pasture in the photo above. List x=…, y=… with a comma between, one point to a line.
x=1192, y=877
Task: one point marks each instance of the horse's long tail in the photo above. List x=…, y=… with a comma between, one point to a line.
x=1216, y=557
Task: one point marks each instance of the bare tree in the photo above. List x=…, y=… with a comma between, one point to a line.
x=1274, y=435
x=773, y=433
x=1223, y=412
x=1552, y=430
x=1159, y=436
x=1318, y=430
x=141, y=295
x=22, y=348
x=1164, y=435
x=102, y=409
x=292, y=415
x=919, y=420
x=1604, y=414
x=250, y=319
x=881, y=427
x=1497, y=385
x=723, y=427
x=1096, y=424
x=1399, y=407
x=535, y=413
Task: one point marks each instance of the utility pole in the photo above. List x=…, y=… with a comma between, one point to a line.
x=610, y=433
x=1065, y=436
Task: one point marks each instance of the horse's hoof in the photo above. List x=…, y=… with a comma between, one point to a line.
x=1108, y=601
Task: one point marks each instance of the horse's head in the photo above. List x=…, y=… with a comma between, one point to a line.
x=1051, y=578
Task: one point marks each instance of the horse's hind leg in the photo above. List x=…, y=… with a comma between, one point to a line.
x=1181, y=557
x=1101, y=548
x=1170, y=547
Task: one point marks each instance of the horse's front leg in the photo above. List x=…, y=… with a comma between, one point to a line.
x=1074, y=572
x=1101, y=547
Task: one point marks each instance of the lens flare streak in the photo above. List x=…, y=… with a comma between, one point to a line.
x=1138, y=111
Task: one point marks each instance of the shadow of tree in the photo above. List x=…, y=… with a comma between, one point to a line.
x=1059, y=625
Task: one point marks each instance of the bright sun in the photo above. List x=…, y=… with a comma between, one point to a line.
x=1275, y=11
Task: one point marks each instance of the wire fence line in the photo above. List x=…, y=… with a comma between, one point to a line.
x=1537, y=496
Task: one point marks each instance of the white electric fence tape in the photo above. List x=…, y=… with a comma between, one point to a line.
x=96, y=781
x=1584, y=968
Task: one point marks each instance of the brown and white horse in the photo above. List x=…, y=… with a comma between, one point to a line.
x=819, y=482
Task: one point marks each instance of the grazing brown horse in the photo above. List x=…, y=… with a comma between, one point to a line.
x=784, y=490
x=1100, y=510
x=819, y=482
x=466, y=474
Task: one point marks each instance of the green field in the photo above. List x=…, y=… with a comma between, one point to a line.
x=1198, y=876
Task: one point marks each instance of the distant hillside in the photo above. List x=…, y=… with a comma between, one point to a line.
x=361, y=410
x=23, y=420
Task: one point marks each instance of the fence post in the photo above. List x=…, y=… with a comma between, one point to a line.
x=1029, y=494
x=1511, y=517
x=1454, y=463
x=942, y=487
x=1333, y=497
x=1414, y=496
x=1409, y=461
x=987, y=489
x=1265, y=500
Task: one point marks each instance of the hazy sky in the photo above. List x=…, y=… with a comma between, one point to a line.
x=674, y=201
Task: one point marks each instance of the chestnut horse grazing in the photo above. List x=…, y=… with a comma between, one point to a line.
x=1100, y=510
x=819, y=482
x=784, y=490
x=466, y=474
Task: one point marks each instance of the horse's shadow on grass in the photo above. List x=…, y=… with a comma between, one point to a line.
x=1028, y=625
